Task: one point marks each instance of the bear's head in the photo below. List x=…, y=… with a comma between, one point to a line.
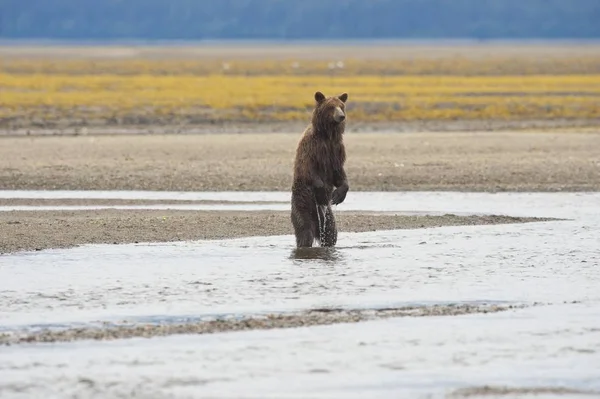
x=330, y=112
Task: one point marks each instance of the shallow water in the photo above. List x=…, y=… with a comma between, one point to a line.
x=550, y=262
x=400, y=358
x=562, y=205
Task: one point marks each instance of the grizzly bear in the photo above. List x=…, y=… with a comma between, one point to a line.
x=318, y=168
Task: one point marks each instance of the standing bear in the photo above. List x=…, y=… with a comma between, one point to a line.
x=318, y=168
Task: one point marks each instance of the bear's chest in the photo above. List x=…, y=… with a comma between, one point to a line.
x=330, y=159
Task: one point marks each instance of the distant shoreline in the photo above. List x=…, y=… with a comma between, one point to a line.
x=306, y=49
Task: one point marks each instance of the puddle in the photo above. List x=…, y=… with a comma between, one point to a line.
x=555, y=262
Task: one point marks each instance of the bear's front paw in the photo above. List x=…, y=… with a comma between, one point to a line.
x=339, y=195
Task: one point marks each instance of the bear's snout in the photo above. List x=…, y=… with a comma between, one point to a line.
x=338, y=115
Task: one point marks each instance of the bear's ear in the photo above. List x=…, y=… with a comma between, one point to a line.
x=319, y=97
x=343, y=97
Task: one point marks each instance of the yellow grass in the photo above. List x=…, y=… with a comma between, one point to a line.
x=51, y=92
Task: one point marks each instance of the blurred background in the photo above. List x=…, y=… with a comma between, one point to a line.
x=301, y=19
x=185, y=63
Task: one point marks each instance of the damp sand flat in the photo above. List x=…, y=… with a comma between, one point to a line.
x=394, y=161
x=552, y=264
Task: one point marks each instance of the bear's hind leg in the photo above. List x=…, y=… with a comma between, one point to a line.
x=303, y=230
x=305, y=237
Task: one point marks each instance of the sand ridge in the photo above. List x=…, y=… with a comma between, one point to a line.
x=37, y=230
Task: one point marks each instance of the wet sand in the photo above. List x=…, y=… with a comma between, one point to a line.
x=487, y=391
x=37, y=230
x=461, y=161
x=302, y=319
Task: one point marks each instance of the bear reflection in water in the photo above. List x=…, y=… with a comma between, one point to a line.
x=328, y=254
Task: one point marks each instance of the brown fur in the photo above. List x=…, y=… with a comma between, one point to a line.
x=318, y=169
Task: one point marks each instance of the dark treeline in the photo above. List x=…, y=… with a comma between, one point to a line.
x=299, y=19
